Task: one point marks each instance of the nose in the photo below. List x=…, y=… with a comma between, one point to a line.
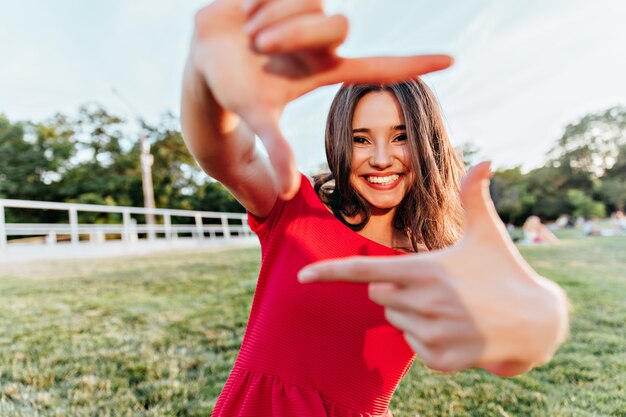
x=381, y=156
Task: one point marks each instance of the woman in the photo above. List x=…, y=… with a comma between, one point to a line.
x=537, y=233
x=422, y=208
x=327, y=350
x=316, y=349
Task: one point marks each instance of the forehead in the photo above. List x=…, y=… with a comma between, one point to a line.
x=377, y=109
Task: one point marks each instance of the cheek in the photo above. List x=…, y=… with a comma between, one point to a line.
x=405, y=157
x=359, y=156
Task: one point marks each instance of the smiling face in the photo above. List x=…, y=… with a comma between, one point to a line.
x=380, y=168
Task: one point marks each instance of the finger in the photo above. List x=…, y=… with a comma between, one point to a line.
x=279, y=152
x=305, y=32
x=433, y=329
x=437, y=359
x=423, y=352
x=507, y=369
x=375, y=289
x=427, y=298
x=249, y=7
x=277, y=11
x=402, y=270
x=475, y=194
x=480, y=211
x=384, y=69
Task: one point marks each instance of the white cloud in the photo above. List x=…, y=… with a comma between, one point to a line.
x=524, y=69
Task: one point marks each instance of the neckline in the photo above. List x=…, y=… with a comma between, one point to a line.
x=332, y=216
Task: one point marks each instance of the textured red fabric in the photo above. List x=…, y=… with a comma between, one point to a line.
x=312, y=350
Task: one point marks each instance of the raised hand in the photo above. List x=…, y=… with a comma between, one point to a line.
x=256, y=56
x=475, y=304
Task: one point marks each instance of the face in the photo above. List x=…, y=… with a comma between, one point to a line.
x=381, y=169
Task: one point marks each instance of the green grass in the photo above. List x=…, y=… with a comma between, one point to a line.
x=157, y=336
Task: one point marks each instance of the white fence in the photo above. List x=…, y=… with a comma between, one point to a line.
x=204, y=225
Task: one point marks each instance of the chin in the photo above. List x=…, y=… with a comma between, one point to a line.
x=379, y=204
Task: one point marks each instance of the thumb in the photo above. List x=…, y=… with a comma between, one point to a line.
x=280, y=154
x=475, y=197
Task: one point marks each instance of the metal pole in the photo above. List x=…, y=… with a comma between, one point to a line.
x=146, y=169
x=146, y=179
x=3, y=228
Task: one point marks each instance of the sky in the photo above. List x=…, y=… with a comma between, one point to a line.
x=523, y=69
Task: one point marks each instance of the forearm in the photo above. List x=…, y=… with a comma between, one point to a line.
x=224, y=146
x=217, y=138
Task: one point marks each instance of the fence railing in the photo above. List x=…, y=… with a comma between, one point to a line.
x=196, y=224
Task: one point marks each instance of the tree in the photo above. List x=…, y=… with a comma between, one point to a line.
x=176, y=175
x=613, y=188
x=584, y=205
x=106, y=167
x=468, y=152
x=510, y=195
x=591, y=145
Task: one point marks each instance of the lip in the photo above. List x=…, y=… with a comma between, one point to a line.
x=382, y=187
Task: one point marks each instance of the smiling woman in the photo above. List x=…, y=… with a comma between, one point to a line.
x=317, y=350
x=327, y=349
x=396, y=175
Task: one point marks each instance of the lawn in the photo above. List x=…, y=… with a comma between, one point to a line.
x=157, y=335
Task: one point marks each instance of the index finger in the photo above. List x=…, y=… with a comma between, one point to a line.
x=404, y=270
x=384, y=69
x=279, y=152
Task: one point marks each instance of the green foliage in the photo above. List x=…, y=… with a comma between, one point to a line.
x=613, y=191
x=90, y=159
x=584, y=205
x=215, y=195
x=511, y=196
x=591, y=145
x=158, y=335
x=26, y=163
x=585, y=174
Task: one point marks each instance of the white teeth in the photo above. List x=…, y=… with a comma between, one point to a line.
x=383, y=180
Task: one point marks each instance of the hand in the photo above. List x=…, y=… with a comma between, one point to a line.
x=475, y=304
x=256, y=56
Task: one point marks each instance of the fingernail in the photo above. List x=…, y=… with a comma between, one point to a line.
x=248, y=27
x=264, y=43
x=307, y=275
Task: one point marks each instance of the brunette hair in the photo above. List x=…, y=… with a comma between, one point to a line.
x=430, y=213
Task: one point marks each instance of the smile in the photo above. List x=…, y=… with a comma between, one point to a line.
x=383, y=180
x=386, y=182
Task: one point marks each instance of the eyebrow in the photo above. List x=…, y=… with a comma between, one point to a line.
x=366, y=130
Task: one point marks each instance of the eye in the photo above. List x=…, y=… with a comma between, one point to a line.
x=360, y=140
x=400, y=138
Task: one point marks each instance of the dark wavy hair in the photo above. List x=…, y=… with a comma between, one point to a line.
x=430, y=213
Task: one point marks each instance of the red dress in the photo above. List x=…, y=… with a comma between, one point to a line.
x=312, y=350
